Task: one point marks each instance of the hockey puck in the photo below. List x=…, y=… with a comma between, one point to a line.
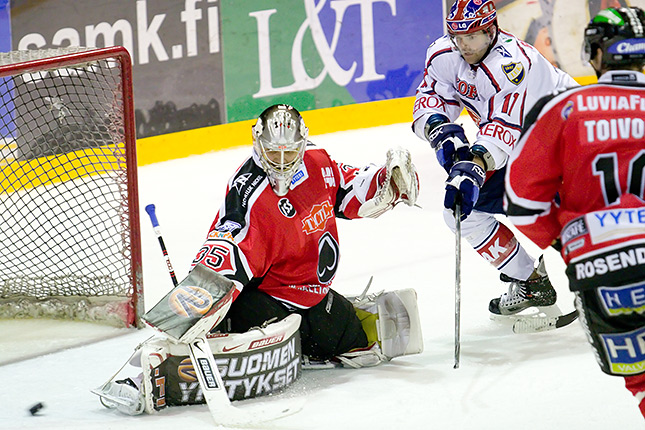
x=36, y=408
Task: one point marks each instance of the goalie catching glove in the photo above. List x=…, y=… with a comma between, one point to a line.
x=397, y=182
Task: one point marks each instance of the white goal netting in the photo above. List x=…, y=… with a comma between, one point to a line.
x=69, y=239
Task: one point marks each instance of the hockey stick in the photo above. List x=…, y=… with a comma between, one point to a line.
x=207, y=372
x=457, y=284
x=155, y=226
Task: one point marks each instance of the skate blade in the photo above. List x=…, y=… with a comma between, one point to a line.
x=532, y=312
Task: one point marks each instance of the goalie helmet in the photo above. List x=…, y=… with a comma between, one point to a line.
x=279, y=140
x=620, y=34
x=469, y=16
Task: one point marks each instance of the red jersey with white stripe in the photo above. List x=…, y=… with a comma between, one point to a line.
x=286, y=246
x=588, y=145
x=497, y=92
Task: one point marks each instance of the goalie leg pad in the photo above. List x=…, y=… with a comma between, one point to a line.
x=397, y=325
x=260, y=361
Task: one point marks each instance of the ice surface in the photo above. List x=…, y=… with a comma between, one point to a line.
x=506, y=381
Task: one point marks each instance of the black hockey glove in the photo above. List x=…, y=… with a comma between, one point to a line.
x=450, y=144
x=463, y=184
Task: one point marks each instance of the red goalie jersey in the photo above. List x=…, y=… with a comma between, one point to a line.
x=286, y=246
x=588, y=145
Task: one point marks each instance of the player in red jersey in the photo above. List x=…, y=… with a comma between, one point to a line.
x=275, y=235
x=587, y=146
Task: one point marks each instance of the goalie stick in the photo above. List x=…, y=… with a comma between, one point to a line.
x=207, y=372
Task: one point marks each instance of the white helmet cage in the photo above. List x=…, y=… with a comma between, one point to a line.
x=279, y=140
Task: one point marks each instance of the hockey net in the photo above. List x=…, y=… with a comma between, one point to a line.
x=69, y=221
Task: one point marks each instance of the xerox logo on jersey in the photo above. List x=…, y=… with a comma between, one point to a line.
x=429, y=102
x=190, y=301
x=328, y=254
x=514, y=72
x=286, y=208
x=317, y=218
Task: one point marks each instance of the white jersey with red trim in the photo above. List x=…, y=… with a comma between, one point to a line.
x=286, y=246
x=497, y=93
x=588, y=145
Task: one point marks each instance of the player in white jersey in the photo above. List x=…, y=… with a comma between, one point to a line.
x=497, y=78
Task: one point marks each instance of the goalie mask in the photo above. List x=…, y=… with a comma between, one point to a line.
x=279, y=140
x=472, y=27
x=620, y=34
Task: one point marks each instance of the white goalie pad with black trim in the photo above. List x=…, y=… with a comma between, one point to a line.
x=258, y=362
x=398, y=325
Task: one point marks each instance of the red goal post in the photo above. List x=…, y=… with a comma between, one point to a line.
x=70, y=245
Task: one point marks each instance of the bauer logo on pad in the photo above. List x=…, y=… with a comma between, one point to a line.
x=209, y=377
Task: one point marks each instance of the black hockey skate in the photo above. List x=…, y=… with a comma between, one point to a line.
x=521, y=295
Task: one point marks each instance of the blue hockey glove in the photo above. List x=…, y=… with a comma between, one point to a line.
x=450, y=144
x=463, y=184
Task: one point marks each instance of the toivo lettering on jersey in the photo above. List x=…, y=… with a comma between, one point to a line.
x=615, y=128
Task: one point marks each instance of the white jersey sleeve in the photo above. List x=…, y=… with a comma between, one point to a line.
x=436, y=94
